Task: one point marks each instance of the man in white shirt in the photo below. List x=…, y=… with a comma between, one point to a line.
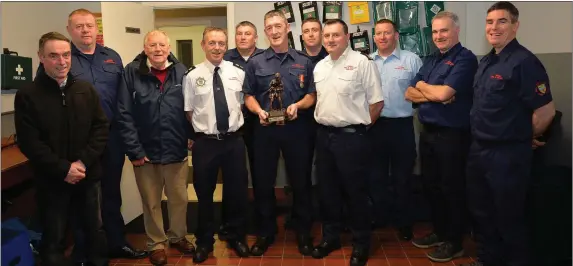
x=213, y=97
x=349, y=100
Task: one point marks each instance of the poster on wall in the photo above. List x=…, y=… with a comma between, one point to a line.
x=99, y=37
x=331, y=10
x=359, y=12
x=360, y=41
x=286, y=8
x=308, y=9
x=290, y=40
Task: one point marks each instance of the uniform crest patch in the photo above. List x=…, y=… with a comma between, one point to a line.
x=541, y=88
x=200, y=81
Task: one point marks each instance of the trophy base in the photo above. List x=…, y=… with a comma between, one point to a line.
x=277, y=116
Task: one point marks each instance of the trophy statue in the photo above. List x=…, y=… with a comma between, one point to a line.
x=275, y=93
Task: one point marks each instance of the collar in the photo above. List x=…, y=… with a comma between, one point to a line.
x=211, y=67
x=507, y=50
x=234, y=53
x=322, y=53
x=395, y=53
x=342, y=56
x=269, y=53
x=452, y=50
x=167, y=63
x=50, y=83
x=98, y=49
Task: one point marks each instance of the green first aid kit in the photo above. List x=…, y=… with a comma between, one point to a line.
x=16, y=71
x=407, y=17
x=432, y=8
x=412, y=42
x=384, y=10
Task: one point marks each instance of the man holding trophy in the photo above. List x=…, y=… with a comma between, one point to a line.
x=276, y=78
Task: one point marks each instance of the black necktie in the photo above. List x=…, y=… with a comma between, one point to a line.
x=221, y=108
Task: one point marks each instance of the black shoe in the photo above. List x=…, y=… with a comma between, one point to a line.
x=240, y=247
x=359, y=257
x=428, y=241
x=202, y=253
x=324, y=248
x=446, y=252
x=223, y=232
x=304, y=243
x=405, y=233
x=261, y=245
x=127, y=252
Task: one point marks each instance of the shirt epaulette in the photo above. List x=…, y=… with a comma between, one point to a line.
x=189, y=70
x=238, y=66
x=257, y=53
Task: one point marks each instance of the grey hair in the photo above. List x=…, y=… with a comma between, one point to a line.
x=448, y=14
x=154, y=32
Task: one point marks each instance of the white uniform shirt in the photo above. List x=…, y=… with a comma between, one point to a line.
x=199, y=97
x=345, y=89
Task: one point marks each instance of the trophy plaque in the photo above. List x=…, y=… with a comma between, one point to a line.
x=275, y=93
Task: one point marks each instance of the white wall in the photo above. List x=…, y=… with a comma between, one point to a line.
x=194, y=33
x=215, y=21
x=128, y=45
x=545, y=27
x=22, y=35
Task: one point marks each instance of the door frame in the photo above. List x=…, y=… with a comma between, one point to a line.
x=230, y=12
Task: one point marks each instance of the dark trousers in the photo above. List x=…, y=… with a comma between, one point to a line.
x=248, y=133
x=393, y=160
x=80, y=203
x=443, y=157
x=112, y=165
x=210, y=155
x=292, y=140
x=498, y=180
x=342, y=165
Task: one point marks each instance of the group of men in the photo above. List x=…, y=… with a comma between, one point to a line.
x=353, y=111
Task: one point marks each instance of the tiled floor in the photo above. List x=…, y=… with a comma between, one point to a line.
x=387, y=250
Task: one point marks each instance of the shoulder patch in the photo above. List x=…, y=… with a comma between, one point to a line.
x=189, y=70
x=238, y=66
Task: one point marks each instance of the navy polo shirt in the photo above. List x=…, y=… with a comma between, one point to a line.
x=234, y=56
x=456, y=69
x=508, y=87
x=295, y=69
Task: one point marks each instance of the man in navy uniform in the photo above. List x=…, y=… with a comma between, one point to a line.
x=312, y=40
x=443, y=90
x=218, y=143
x=245, y=40
x=512, y=109
x=292, y=138
x=102, y=67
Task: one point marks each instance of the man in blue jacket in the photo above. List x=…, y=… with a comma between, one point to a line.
x=155, y=131
x=103, y=68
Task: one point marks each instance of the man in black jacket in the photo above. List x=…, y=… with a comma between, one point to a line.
x=155, y=130
x=63, y=130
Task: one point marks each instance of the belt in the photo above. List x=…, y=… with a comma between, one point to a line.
x=346, y=129
x=219, y=136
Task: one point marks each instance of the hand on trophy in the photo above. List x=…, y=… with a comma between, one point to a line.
x=292, y=111
x=263, y=115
